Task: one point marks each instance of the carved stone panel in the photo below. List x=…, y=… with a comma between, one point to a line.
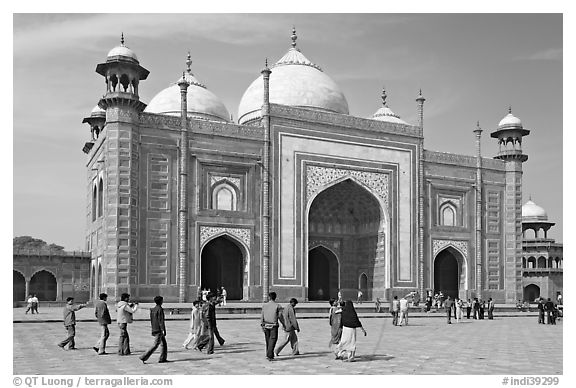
x=318, y=177
x=206, y=232
x=460, y=245
x=218, y=178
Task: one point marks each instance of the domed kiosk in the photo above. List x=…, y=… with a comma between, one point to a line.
x=295, y=81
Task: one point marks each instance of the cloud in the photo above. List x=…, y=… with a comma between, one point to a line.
x=553, y=54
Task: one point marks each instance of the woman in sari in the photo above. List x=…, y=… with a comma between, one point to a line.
x=335, y=325
x=347, y=346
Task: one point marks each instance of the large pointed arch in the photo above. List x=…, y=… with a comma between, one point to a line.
x=450, y=271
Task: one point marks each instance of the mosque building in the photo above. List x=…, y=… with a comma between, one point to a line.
x=297, y=196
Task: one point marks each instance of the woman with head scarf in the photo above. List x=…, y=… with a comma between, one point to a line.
x=350, y=322
x=335, y=325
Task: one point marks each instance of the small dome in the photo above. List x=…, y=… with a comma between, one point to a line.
x=122, y=51
x=510, y=120
x=98, y=112
x=202, y=103
x=294, y=81
x=386, y=114
x=534, y=212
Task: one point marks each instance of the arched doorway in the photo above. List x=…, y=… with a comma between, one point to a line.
x=447, y=273
x=350, y=218
x=222, y=266
x=322, y=274
x=531, y=292
x=363, y=286
x=43, y=284
x=19, y=287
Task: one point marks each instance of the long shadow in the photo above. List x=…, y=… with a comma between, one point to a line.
x=304, y=355
x=372, y=357
x=191, y=359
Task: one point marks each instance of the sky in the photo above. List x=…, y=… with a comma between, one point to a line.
x=470, y=67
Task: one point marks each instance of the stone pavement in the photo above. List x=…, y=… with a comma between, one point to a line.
x=505, y=345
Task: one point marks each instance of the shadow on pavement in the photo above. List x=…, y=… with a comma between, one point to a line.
x=373, y=357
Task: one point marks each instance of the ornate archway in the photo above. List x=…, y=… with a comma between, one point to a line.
x=18, y=287
x=348, y=213
x=323, y=274
x=450, y=273
x=222, y=265
x=44, y=285
x=531, y=292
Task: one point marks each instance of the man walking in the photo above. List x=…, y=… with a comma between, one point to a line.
x=468, y=308
x=271, y=314
x=103, y=316
x=209, y=321
x=70, y=323
x=395, y=310
x=290, y=326
x=359, y=300
x=29, y=305
x=404, y=311
x=476, y=308
x=549, y=308
x=490, y=308
x=125, y=310
x=158, y=332
x=35, y=304
x=448, y=306
x=541, y=310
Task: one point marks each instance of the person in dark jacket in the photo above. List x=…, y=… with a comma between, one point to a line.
x=541, y=310
x=290, y=328
x=70, y=323
x=209, y=322
x=158, y=332
x=476, y=308
x=549, y=308
x=490, y=308
x=448, y=306
x=103, y=316
x=350, y=322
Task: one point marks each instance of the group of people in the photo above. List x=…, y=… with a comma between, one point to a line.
x=548, y=311
x=32, y=304
x=221, y=294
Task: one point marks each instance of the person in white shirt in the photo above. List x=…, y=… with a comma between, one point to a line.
x=29, y=305
x=403, y=311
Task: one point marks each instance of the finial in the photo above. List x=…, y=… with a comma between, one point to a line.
x=266, y=63
x=184, y=75
x=420, y=93
x=384, y=96
x=510, y=109
x=478, y=124
x=122, y=39
x=189, y=63
x=530, y=197
x=294, y=37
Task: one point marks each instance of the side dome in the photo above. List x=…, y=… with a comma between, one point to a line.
x=202, y=103
x=122, y=52
x=386, y=114
x=510, y=121
x=531, y=211
x=294, y=81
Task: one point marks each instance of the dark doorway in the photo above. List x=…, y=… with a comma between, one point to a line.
x=43, y=284
x=19, y=287
x=364, y=286
x=446, y=274
x=322, y=274
x=222, y=266
x=531, y=293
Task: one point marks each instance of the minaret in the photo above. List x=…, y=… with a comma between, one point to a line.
x=509, y=134
x=421, y=187
x=478, y=215
x=119, y=162
x=266, y=184
x=183, y=186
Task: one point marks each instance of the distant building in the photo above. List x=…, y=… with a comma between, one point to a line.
x=297, y=196
x=542, y=257
x=51, y=275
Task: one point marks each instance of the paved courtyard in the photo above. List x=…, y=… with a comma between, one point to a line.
x=506, y=345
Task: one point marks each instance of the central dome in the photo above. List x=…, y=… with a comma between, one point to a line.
x=294, y=81
x=202, y=103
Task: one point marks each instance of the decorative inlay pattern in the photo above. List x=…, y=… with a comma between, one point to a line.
x=317, y=177
x=218, y=178
x=461, y=160
x=344, y=120
x=461, y=245
x=206, y=232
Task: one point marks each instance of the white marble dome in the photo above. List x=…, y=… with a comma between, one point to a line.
x=97, y=111
x=294, y=81
x=510, y=121
x=202, y=103
x=532, y=211
x=122, y=51
x=386, y=114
